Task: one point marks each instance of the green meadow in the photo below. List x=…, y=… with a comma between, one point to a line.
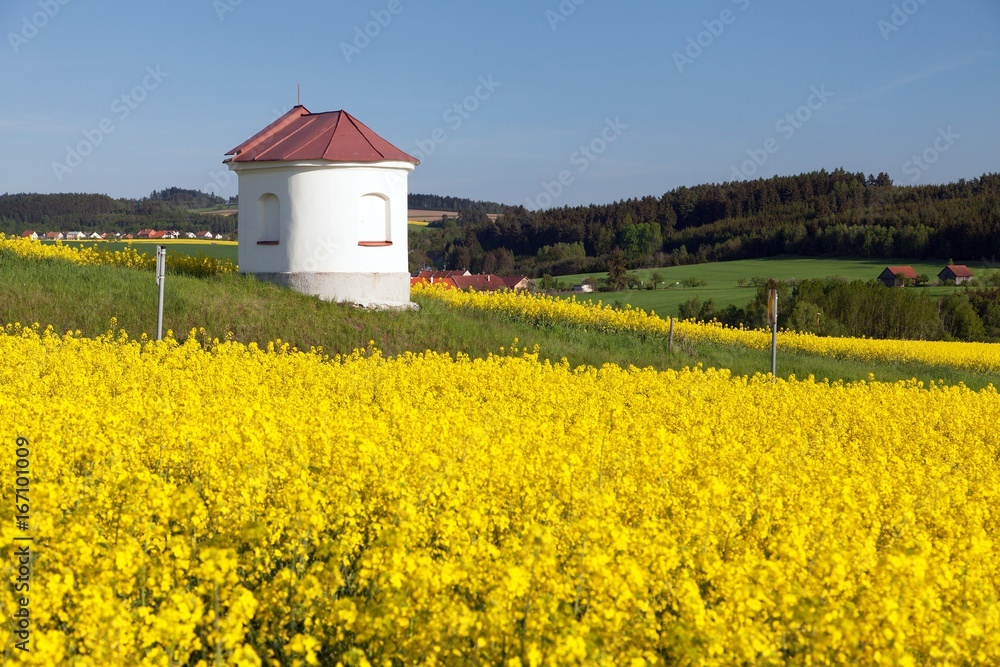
x=219, y=249
x=723, y=279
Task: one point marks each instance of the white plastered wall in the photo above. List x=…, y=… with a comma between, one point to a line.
x=327, y=225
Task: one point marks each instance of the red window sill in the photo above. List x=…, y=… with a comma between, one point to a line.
x=374, y=244
x=267, y=242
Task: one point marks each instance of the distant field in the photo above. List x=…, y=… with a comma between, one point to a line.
x=723, y=277
x=423, y=215
x=221, y=209
x=220, y=249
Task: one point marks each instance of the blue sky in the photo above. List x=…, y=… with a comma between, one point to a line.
x=542, y=103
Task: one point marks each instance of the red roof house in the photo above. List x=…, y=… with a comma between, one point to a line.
x=516, y=282
x=959, y=273
x=890, y=276
x=480, y=283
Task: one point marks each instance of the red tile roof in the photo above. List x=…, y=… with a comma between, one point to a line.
x=960, y=270
x=907, y=271
x=480, y=283
x=512, y=281
x=303, y=135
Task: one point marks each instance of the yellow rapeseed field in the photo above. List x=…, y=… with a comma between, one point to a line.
x=543, y=310
x=200, y=265
x=226, y=504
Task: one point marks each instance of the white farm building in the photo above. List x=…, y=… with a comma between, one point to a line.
x=323, y=207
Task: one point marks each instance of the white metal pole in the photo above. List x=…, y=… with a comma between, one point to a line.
x=773, y=312
x=161, y=274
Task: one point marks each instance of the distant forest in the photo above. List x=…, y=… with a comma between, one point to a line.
x=438, y=203
x=190, y=198
x=820, y=213
x=165, y=209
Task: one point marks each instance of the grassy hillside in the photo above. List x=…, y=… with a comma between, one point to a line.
x=85, y=298
x=723, y=279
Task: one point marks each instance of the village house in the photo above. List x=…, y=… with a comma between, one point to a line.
x=75, y=236
x=891, y=276
x=54, y=236
x=479, y=282
x=204, y=235
x=516, y=283
x=957, y=273
x=145, y=233
x=30, y=235
x=96, y=236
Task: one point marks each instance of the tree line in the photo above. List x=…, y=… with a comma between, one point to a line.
x=166, y=209
x=440, y=203
x=858, y=308
x=190, y=198
x=834, y=213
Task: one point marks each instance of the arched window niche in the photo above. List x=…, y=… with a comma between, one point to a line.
x=373, y=220
x=270, y=219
